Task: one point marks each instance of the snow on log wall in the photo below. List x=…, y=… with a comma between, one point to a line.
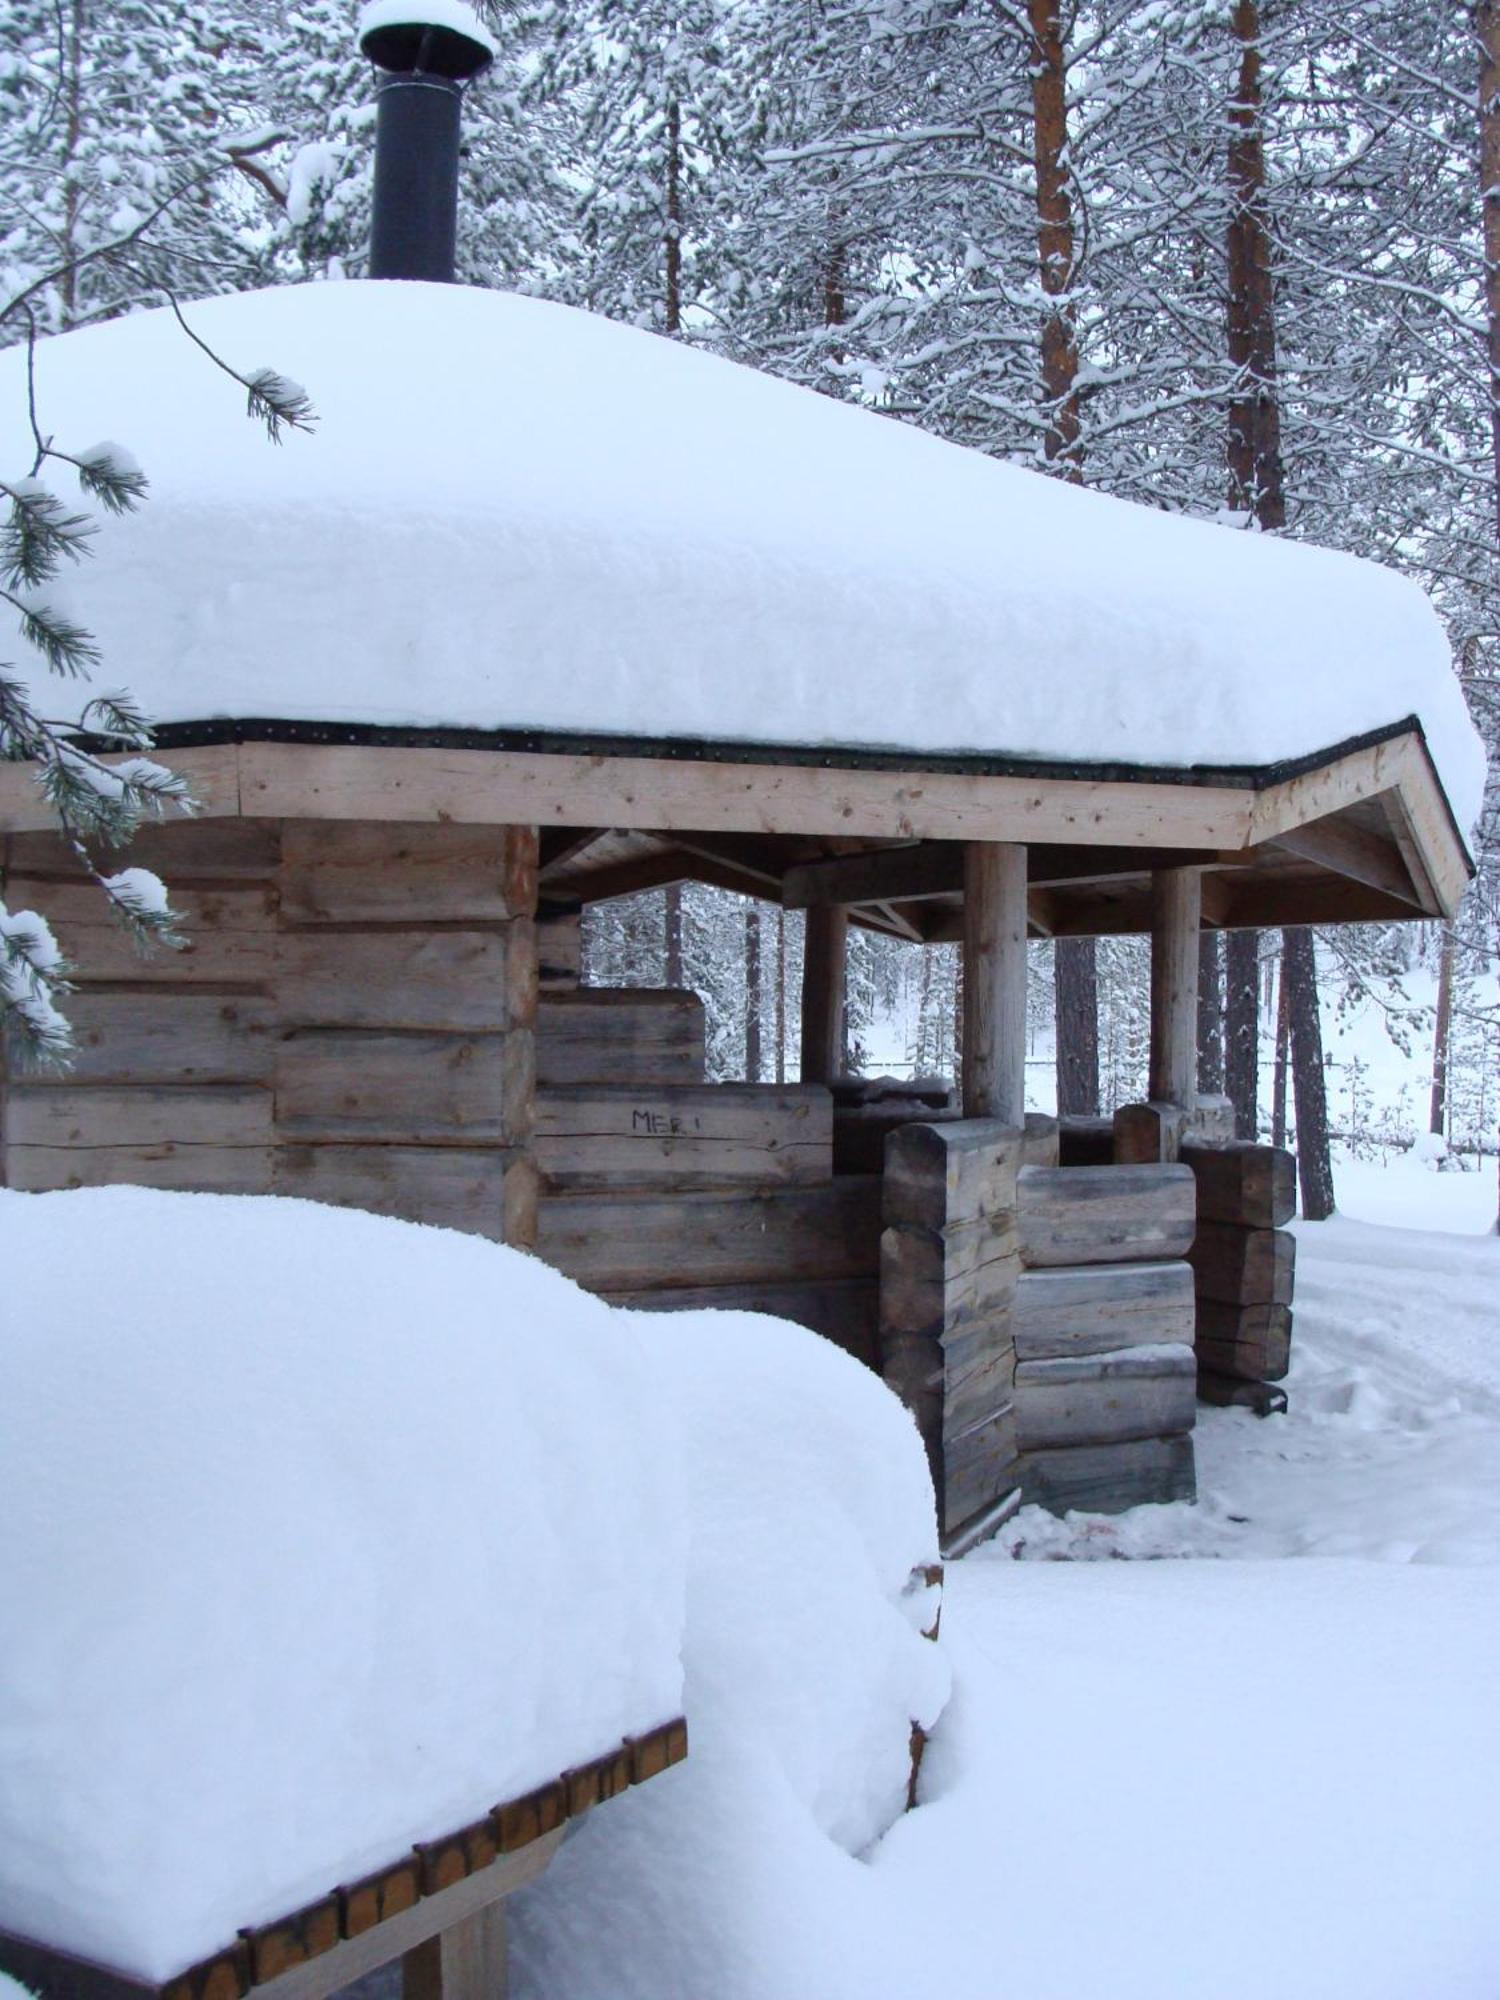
x=352, y=1021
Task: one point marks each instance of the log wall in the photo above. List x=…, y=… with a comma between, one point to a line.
x=351, y=1020
x=1244, y=1263
x=1038, y=1320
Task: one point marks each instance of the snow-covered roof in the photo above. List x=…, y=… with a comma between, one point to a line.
x=514, y=515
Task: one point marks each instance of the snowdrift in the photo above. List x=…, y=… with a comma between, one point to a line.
x=327, y=1532
x=515, y=515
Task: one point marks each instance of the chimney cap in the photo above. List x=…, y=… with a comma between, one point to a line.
x=443, y=38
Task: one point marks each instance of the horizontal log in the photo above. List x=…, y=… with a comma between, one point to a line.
x=171, y=1035
x=940, y=1281
x=1086, y=1142
x=979, y=1468
x=1244, y=1266
x=1099, y=1308
x=1040, y=1141
x=355, y=1084
x=1253, y=1186
x=195, y=1169
x=1105, y=1398
x=179, y=850
x=1252, y=1342
x=1104, y=1215
x=979, y=1368
x=615, y=1035
x=226, y=928
x=1108, y=1478
x=451, y=1187
x=596, y=1136
x=454, y=980
x=620, y=1243
x=941, y=1175
x=861, y=1130
x=370, y=872
x=883, y=875
x=1148, y=1133
x=843, y=1310
x=1234, y=1392
x=143, y=1115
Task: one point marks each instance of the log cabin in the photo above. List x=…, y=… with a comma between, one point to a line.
x=548, y=611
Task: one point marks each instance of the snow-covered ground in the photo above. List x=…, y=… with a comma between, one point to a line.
x=1263, y=1764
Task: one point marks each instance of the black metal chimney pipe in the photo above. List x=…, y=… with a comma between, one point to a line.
x=427, y=63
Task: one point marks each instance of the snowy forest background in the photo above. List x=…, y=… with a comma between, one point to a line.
x=1227, y=259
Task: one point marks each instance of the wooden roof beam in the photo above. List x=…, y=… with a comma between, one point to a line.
x=1348, y=850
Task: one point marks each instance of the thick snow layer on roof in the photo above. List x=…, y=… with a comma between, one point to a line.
x=514, y=514
x=323, y=1534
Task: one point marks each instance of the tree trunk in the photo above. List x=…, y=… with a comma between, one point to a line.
x=1055, y=245
x=1210, y=1016
x=752, y=993
x=1279, y=1062
x=1487, y=30
x=1242, y=1029
x=1256, y=485
x=1442, y=1028
x=1075, y=960
x=1075, y=975
x=672, y=935
x=673, y=231
x=1309, y=1088
x=780, y=994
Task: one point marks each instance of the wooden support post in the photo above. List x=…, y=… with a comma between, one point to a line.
x=464, y=1962
x=1176, y=914
x=823, y=992
x=994, y=953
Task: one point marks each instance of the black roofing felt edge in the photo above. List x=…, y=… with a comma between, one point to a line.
x=710, y=750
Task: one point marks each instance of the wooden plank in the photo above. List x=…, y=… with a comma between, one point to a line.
x=1109, y=1478
x=594, y=1136
x=1104, y=1215
x=843, y=1310
x=212, y=772
x=994, y=972
x=455, y=980
x=1254, y=1186
x=358, y=1084
x=464, y=1962
x=1244, y=1266
x=1100, y=1308
x=345, y=781
x=227, y=930
x=1105, y=1398
x=1176, y=915
x=616, y=1243
x=161, y=1115
x=376, y=872
x=451, y=1187
x=169, y=1036
x=617, y=1035
x=822, y=1027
